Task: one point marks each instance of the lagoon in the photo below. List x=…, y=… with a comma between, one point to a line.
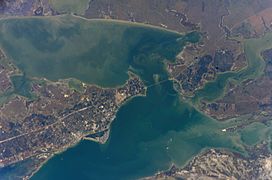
x=149, y=133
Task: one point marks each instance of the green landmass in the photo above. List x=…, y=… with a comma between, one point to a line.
x=149, y=133
x=252, y=48
x=70, y=6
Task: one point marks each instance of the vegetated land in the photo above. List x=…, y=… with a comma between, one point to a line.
x=252, y=96
x=224, y=24
x=221, y=164
x=44, y=112
x=70, y=6
x=219, y=22
x=227, y=25
x=57, y=118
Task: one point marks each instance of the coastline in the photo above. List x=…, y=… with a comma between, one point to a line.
x=103, y=140
x=137, y=24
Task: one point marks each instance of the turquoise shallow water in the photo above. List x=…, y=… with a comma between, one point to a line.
x=98, y=52
x=149, y=133
x=255, y=66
